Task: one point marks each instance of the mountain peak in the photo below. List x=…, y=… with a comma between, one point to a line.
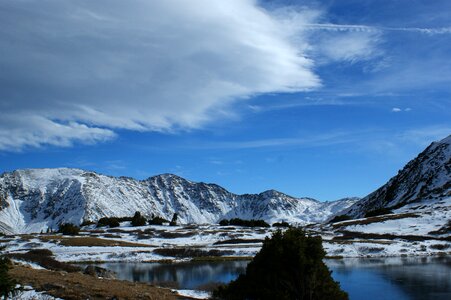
x=428, y=176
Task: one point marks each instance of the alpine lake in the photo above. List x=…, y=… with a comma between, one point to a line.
x=363, y=278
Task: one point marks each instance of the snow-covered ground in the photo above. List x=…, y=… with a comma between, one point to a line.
x=140, y=244
x=28, y=293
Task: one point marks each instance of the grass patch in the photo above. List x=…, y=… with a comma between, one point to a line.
x=88, y=242
x=176, y=234
x=80, y=286
x=376, y=219
x=439, y=246
x=190, y=252
x=44, y=258
x=238, y=241
x=349, y=242
x=221, y=258
x=349, y=235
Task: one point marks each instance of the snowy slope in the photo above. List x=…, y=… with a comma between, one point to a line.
x=36, y=199
x=427, y=177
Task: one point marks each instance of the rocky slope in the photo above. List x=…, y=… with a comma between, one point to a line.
x=427, y=178
x=36, y=199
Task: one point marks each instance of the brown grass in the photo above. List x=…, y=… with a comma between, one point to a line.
x=190, y=252
x=88, y=242
x=238, y=241
x=375, y=219
x=77, y=286
x=45, y=260
x=349, y=235
x=348, y=242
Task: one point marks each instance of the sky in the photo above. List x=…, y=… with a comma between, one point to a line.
x=323, y=99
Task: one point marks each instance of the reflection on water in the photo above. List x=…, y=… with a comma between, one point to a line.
x=385, y=278
x=187, y=275
x=394, y=278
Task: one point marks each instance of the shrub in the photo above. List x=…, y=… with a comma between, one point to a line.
x=224, y=222
x=157, y=221
x=138, y=220
x=69, y=229
x=7, y=284
x=340, y=218
x=439, y=246
x=110, y=222
x=87, y=223
x=289, y=266
x=174, y=220
x=377, y=212
x=245, y=223
x=281, y=224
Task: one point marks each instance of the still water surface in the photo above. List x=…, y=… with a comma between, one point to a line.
x=388, y=278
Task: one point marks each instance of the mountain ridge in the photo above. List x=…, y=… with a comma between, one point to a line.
x=32, y=200
x=427, y=176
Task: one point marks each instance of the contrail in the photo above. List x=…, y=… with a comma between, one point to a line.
x=365, y=28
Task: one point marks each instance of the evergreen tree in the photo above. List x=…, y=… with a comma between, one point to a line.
x=138, y=219
x=69, y=229
x=288, y=267
x=7, y=284
x=174, y=220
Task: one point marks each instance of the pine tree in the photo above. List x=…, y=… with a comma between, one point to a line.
x=288, y=267
x=174, y=220
x=138, y=219
x=7, y=284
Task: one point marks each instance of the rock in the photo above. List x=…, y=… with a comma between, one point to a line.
x=99, y=272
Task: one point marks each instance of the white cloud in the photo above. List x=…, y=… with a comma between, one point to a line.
x=77, y=70
x=349, y=46
x=17, y=132
x=397, y=109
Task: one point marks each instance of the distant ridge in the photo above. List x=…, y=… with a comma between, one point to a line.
x=33, y=200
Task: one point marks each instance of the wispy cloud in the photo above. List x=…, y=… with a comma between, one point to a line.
x=327, y=139
x=375, y=29
x=426, y=135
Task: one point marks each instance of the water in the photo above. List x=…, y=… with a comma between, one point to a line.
x=388, y=278
x=186, y=275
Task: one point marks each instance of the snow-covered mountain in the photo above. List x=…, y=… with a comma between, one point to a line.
x=425, y=179
x=35, y=199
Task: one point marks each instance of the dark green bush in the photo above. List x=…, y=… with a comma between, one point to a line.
x=7, y=284
x=224, y=222
x=174, y=220
x=69, y=229
x=281, y=224
x=378, y=212
x=138, y=220
x=87, y=223
x=289, y=266
x=110, y=222
x=157, y=221
x=340, y=218
x=245, y=223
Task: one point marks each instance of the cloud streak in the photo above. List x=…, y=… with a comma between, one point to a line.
x=77, y=71
x=375, y=29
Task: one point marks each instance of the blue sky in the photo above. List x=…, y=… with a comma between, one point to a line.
x=325, y=99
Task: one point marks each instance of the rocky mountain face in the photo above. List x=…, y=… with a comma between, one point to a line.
x=425, y=178
x=36, y=199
